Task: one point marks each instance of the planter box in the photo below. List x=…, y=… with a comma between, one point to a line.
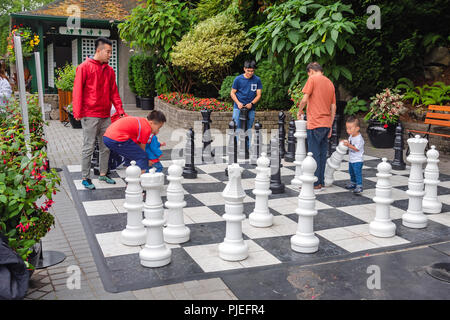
x=179, y=118
x=65, y=98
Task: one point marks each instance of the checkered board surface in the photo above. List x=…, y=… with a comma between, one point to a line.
x=342, y=224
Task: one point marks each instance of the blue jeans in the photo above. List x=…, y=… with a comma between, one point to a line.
x=251, y=119
x=355, y=170
x=318, y=144
x=129, y=150
x=159, y=167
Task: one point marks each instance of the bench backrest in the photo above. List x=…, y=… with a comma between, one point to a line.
x=437, y=115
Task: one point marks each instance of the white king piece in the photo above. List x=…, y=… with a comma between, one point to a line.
x=234, y=248
x=414, y=217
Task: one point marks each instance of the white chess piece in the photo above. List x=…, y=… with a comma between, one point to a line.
x=304, y=240
x=176, y=232
x=261, y=216
x=233, y=248
x=300, y=150
x=155, y=252
x=414, y=217
x=333, y=163
x=134, y=234
x=431, y=203
x=382, y=226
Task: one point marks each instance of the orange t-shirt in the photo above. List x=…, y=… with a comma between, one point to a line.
x=135, y=128
x=321, y=95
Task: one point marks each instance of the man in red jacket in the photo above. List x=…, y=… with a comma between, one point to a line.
x=94, y=91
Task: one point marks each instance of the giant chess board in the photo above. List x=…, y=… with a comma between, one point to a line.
x=342, y=224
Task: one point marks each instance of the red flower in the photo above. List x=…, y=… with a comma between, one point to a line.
x=385, y=126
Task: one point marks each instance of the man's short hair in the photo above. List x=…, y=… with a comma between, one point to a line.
x=314, y=66
x=156, y=116
x=352, y=119
x=102, y=40
x=250, y=64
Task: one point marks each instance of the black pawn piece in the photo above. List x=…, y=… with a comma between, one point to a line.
x=256, y=145
x=281, y=133
x=276, y=185
x=206, y=137
x=243, y=134
x=290, y=154
x=333, y=141
x=232, y=145
x=189, y=171
x=398, y=163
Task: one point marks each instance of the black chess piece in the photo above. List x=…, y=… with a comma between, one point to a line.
x=232, y=145
x=281, y=133
x=290, y=154
x=276, y=185
x=398, y=163
x=207, y=154
x=333, y=141
x=256, y=145
x=189, y=171
x=95, y=162
x=243, y=134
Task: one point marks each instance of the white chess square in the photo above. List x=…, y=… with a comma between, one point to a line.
x=101, y=184
x=74, y=168
x=336, y=234
x=396, y=194
x=201, y=214
x=356, y=244
x=118, y=203
x=396, y=181
x=207, y=257
x=340, y=175
x=112, y=246
x=287, y=171
x=214, y=168
x=442, y=218
x=282, y=226
x=203, y=178
x=99, y=207
x=386, y=242
x=248, y=184
x=332, y=189
x=215, y=198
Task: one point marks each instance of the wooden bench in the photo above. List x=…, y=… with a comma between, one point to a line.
x=436, y=115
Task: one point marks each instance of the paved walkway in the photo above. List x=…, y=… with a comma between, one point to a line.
x=68, y=236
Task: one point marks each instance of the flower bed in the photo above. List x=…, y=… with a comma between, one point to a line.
x=191, y=103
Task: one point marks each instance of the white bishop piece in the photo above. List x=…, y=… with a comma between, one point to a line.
x=261, y=216
x=155, y=252
x=431, y=203
x=414, y=217
x=233, y=248
x=333, y=163
x=304, y=240
x=300, y=151
x=176, y=232
x=382, y=226
x=134, y=234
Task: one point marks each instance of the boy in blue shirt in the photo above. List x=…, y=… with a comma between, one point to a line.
x=153, y=150
x=246, y=92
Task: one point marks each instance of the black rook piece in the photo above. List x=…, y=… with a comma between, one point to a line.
x=333, y=141
x=275, y=165
x=243, y=134
x=281, y=133
x=207, y=154
x=398, y=163
x=189, y=171
x=290, y=154
x=232, y=145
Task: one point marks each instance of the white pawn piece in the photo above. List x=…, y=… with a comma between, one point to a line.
x=134, y=234
x=431, y=203
x=234, y=248
x=304, y=240
x=261, y=216
x=176, y=232
x=155, y=252
x=333, y=163
x=382, y=226
x=414, y=217
x=300, y=150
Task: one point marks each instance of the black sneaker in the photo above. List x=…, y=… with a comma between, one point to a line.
x=350, y=186
x=358, y=189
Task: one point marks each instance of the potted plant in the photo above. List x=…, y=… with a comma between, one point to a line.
x=385, y=109
x=65, y=77
x=76, y=124
x=29, y=41
x=131, y=81
x=144, y=81
x=26, y=183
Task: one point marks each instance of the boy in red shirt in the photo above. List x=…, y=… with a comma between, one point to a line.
x=128, y=136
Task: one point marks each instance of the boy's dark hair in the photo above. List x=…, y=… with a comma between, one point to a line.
x=102, y=40
x=352, y=119
x=156, y=116
x=314, y=66
x=250, y=64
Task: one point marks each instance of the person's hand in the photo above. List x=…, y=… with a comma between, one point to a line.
x=163, y=144
x=299, y=114
x=78, y=119
x=240, y=105
x=329, y=134
x=248, y=106
x=345, y=143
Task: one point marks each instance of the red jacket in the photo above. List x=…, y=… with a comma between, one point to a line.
x=94, y=90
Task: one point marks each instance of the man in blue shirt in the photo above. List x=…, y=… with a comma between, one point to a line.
x=246, y=92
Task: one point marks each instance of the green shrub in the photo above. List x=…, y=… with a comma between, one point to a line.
x=65, y=77
x=208, y=8
x=144, y=76
x=225, y=88
x=354, y=106
x=210, y=47
x=131, y=68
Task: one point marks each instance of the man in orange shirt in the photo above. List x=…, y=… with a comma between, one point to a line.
x=319, y=95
